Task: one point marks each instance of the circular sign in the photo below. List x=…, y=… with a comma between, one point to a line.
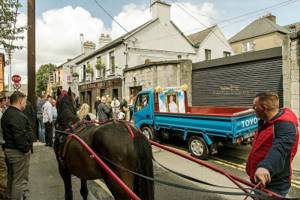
x=16, y=78
x=17, y=86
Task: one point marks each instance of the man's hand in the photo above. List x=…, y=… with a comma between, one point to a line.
x=262, y=175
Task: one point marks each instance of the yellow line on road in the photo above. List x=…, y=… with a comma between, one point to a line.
x=295, y=183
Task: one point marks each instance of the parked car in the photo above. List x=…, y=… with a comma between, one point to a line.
x=165, y=112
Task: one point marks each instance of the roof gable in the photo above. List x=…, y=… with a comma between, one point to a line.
x=197, y=38
x=258, y=27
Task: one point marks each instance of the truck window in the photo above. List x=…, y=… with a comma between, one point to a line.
x=141, y=102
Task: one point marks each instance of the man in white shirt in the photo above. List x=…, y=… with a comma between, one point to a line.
x=47, y=120
x=172, y=105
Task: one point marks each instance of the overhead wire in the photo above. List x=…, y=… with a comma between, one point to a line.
x=195, y=18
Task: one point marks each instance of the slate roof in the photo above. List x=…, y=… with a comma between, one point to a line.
x=258, y=27
x=197, y=38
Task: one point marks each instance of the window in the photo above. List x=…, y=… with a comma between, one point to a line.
x=84, y=73
x=141, y=102
x=226, y=53
x=112, y=62
x=101, y=69
x=207, y=54
x=248, y=46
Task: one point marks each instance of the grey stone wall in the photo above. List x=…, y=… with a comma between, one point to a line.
x=163, y=74
x=291, y=75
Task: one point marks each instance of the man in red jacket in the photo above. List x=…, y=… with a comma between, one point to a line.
x=275, y=144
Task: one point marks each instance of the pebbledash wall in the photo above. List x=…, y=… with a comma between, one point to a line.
x=173, y=73
x=291, y=75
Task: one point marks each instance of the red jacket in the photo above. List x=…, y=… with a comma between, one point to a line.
x=275, y=151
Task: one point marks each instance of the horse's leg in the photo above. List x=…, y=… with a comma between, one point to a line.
x=66, y=176
x=84, y=190
x=115, y=189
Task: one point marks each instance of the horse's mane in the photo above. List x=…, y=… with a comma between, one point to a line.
x=66, y=111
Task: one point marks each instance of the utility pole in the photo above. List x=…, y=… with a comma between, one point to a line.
x=31, y=56
x=31, y=50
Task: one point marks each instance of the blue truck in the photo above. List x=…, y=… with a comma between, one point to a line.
x=164, y=112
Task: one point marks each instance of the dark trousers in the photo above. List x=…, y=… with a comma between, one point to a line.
x=49, y=133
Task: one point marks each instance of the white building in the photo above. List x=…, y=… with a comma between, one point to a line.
x=156, y=40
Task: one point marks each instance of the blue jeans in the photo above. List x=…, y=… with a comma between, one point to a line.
x=41, y=130
x=282, y=192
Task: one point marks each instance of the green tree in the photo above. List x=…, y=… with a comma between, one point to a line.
x=9, y=32
x=42, y=77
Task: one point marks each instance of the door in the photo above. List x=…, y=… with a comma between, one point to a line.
x=102, y=92
x=89, y=99
x=143, y=110
x=115, y=93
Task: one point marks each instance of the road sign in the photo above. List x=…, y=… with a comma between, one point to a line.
x=16, y=78
x=17, y=86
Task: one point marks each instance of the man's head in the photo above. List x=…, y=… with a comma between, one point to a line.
x=49, y=98
x=266, y=104
x=2, y=101
x=103, y=99
x=18, y=99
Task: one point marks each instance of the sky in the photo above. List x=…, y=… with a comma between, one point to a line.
x=60, y=22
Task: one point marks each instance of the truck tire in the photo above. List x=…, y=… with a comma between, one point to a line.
x=198, y=147
x=148, y=132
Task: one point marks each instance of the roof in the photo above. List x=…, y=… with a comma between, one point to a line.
x=70, y=60
x=117, y=41
x=258, y=27
x=197, y=38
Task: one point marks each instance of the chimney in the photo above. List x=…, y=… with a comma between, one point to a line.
x=161, y=10
x=270, y=17
x=89, y=47
x=104, y=40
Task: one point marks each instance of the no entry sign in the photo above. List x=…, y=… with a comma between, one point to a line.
x=16, y=78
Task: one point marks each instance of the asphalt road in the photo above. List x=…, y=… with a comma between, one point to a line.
x=46, y=184
x=233, y=160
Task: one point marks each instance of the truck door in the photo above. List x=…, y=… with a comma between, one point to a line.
x=143, y=110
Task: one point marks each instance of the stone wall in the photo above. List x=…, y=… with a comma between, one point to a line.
x=291, y=76
x=164, y=74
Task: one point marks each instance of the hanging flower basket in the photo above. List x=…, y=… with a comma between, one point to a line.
x=99, y=65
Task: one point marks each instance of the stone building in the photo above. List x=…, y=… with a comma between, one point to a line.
x=171, y=73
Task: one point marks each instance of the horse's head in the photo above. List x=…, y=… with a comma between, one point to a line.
x=66, y=110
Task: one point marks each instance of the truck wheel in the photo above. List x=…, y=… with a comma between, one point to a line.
x=198, y=147
x=148, y=132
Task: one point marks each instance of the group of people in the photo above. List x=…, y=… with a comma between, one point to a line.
x=46, y=116
x=114, y=109
x=269, y=163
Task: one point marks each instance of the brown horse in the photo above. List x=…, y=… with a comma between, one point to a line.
x=111, y=141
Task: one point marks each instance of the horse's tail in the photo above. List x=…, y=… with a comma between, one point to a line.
x=142, y=187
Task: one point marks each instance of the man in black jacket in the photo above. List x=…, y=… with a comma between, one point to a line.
x=17, y=133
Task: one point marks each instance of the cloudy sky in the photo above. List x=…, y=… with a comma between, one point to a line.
x=60, y=22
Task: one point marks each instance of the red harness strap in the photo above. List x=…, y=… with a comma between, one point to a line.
x=130, y=130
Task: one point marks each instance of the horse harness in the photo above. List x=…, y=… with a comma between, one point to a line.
x=63, y=140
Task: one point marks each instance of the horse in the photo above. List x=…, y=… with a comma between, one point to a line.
x=111, y=141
